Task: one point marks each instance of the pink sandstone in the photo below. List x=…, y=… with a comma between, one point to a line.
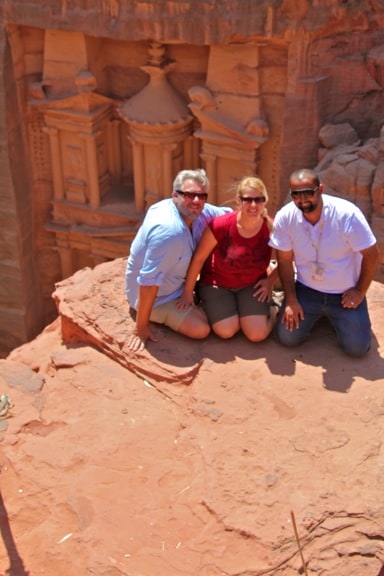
x=101, y=104
x=189, y=459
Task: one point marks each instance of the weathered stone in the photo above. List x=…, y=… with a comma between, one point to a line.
x=337, y=179
x=103, y=290
x=147, y=476
x=332, y=135
x=381, y=141
x=378, y=189
x=378, y=229
x=254, y=81
x=19, y=376
x=370, y=150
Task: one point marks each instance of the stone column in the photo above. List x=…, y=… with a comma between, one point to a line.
x=65, y=254
x=167, y=169
x=189, y=160
x=211, y=169
x=114, y=151
x=92, y=169
x=138, y=173
x=57, y=169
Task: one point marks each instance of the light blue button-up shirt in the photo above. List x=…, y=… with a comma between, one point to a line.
x=162, y=249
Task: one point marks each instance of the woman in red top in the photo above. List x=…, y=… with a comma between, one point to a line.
x=233, y=260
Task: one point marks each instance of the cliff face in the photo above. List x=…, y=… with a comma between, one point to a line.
x=102, y=103
x=193, y=460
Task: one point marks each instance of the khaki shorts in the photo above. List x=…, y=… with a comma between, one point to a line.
x=169, y=315
x=221, y=303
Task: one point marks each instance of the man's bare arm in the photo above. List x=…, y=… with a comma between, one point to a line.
x=368, y=268
x=353, y=297
x=142, y=333
x=286, y=273
x=293, y=311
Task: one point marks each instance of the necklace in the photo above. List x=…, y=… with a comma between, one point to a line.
x=315, y=244
x=317, y=268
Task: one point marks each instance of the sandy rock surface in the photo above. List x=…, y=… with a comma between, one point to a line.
x=192, y=459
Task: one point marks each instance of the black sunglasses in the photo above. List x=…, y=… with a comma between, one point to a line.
x=307, y=192
x=192, y=195
x=253, y=199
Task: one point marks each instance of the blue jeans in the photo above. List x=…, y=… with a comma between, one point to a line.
x=352, y=326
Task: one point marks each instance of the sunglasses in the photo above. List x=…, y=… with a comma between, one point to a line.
x=192, y=195
x=250, y=199
x=307, y=192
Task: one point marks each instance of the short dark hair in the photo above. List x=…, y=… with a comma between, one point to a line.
x=305, y=174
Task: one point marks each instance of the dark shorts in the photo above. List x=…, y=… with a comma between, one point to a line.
x=220, y=303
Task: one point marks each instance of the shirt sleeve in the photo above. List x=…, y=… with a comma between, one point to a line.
x=218, y=226
x=210, y=211
x=358, y=233
x=280, y=238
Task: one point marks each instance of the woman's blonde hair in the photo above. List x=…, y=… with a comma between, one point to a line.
x=255, y=183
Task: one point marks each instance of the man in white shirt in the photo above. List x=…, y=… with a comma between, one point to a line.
x=327, y=256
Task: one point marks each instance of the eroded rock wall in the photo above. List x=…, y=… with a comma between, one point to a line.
x=257, y=81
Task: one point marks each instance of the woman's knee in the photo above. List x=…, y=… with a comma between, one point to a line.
x=257, y=335
x=257, y=328
x=226, y=328
x=224, y=333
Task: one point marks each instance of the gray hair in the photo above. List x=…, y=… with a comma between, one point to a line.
x=199, y=175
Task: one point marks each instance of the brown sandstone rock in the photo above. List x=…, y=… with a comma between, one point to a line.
x=109, y=473
x=331, y=135
x=94, y=310
x=105, y=101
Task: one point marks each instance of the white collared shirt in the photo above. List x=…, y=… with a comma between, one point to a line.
x=333, y=243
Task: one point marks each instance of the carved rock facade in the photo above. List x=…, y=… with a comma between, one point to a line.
x=102, y=103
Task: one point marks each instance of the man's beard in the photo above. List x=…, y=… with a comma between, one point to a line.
x=307, y=209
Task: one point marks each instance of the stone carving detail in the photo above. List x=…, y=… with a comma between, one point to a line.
x=228, y=149
x=83, y=135
x=231, y=120
x=220, y=128
x=160, y=130
x=80, y=130
x=103, y=110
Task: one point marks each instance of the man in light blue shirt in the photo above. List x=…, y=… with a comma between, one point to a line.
x=159, y=257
